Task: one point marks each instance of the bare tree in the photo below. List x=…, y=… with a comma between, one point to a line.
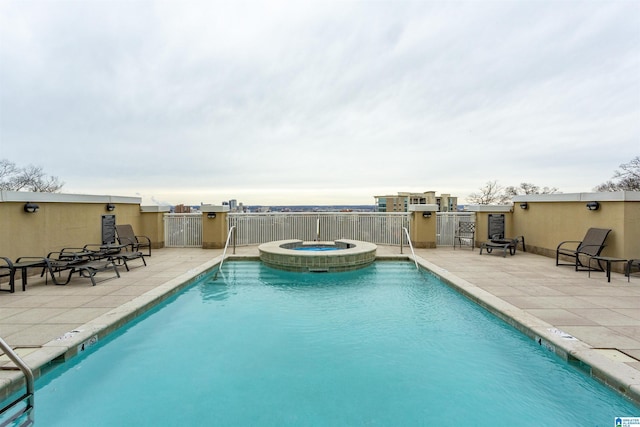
x=628, y=178
x=528, y=188
x=8, y=169
x=29, y=178
x=490, y=194
x=494, y=194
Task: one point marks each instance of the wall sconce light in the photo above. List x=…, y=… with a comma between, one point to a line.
x=426, y=214
x=211, y=215
x=111, y=207
x=524, y=205
x=593, y=206
x=31, y=207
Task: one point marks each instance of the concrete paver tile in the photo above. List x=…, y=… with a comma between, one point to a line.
x=606, y=317
x=600, y=336
x=35, y=316
x=558, y=316
x=39, y=333
x=79, y=315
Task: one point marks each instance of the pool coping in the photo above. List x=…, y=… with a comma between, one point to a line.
x=616, y=375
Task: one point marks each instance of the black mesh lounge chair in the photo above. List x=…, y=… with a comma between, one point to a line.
x=465, y=234
x=77, y=260
x=504, y=245
x=116, y=253
x=590, y=246
x=126, y=236
x=89, y=269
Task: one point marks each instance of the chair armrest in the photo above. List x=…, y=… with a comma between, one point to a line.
x=75, y=250
x=31, y=258
x=52, y=255
x=6, y=260
x=148, y=240
x=568, y=241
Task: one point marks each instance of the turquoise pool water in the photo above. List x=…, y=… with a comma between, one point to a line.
x=383, y=346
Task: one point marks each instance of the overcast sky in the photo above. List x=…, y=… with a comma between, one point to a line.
x=318, y=102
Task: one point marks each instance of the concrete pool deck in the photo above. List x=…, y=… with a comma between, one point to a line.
x=550, y=304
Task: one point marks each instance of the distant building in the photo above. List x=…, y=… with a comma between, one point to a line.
x=401, y=201
x=234, y=206
x=182, y=209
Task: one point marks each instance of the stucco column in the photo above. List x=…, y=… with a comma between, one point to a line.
x=152, y=224
x=214, y=226
x=423, y=225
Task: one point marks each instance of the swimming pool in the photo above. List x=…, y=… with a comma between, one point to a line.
x=384, y=345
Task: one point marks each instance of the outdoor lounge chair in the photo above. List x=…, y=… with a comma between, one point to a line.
x=72, y=260
x=77, y=260
x=465, y=234
x=114, y=252
x=89, y=269
x=126, y=236
x=505, y=245
x=590, y=246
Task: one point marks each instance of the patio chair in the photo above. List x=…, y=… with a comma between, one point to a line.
x=590, y=246
x=126, y=236
x=465, y=234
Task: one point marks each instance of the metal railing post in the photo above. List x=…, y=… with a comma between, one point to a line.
x=29, y=380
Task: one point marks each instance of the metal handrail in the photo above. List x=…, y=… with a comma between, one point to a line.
x=224, y=252
x=411, y=246
x=29, y=380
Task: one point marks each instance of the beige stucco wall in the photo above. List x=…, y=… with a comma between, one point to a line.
x=64, y=220
x=546, y=224
x=551, y=219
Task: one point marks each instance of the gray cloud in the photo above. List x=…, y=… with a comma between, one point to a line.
x=204, y=101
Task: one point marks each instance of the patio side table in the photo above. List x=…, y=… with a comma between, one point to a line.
x=608, y=261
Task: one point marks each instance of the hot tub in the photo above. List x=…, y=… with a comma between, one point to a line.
x=297, y=255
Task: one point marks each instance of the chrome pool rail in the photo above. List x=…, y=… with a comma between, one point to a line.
x=224, y=252
x=406, y=232
x=28, y=397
